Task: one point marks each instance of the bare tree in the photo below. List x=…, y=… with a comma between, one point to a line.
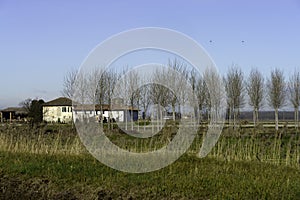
x=121, y=91
x=145, y=98
x=127, y=88
x=177, y=77
x=234, y=85
x=111, y=78
x=132, y=91
x=26, y=104
x=93, y=79
x=201, y=95
x=214, y=94
x=80, y=88
x=294, y=92
x=159, y=93
x=182, y=87
x=255, y=90
x=276, y=92
x=199, y=92
x=101, y=91
x=34, y=109
x=193, y=78
x=68, y=83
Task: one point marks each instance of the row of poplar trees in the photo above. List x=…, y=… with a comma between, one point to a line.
x=255, y=89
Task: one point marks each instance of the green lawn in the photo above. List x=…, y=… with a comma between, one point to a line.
x=51, y=163
x=82, y=177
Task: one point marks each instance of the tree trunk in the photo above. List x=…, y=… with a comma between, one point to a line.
x=257, y=116
x=144, y=117
x=200, y=116
x=173, y=112
x=276, y=119
x=229, y=116
x=126, y=123
x=138, y=119
x=158, y=117
x=296, y=117
x=196, y=112
x=131, y=117
x=161, y=120
x=254, y=117
x=179, y=109
x=152, y=124
x=234, y=118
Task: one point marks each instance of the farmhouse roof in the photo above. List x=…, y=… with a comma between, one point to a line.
x=104, y=107
x=90, y=107
x=14, y=109
x=61, y=101
x=64, y=101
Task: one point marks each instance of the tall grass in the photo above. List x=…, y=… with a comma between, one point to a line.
x=263, y=145
x=45, y=140
x=281, y=148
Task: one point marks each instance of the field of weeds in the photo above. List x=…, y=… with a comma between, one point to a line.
x=50, y=162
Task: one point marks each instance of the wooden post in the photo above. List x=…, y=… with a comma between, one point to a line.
x=10, y=117
x=1, y=116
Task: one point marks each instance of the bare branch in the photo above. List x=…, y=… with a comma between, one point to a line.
x=68, y=83
x=255, y=90
x=276, y=92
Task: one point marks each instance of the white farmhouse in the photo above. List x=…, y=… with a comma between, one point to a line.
x=58, y=110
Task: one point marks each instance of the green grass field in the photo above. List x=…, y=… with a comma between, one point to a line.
x=50, y=162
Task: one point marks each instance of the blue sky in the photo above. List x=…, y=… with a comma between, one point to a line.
x=40, y=41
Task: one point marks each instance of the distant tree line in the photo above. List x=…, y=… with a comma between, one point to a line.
x=276, y=90
x=100, y=87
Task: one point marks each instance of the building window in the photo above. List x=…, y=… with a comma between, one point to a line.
x=64, y=109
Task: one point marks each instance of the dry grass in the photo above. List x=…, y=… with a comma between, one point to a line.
x=261, y=145
x=40, y=141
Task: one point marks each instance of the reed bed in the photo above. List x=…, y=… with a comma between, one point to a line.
x=263, y=145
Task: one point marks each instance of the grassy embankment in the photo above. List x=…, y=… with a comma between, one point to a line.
x=51, y=163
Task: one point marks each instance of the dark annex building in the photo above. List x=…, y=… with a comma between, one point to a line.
x=13, y=114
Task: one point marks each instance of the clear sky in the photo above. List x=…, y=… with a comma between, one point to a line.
x=40, y=41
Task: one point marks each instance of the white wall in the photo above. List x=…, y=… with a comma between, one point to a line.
x=57, y=114
x=118, y=115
